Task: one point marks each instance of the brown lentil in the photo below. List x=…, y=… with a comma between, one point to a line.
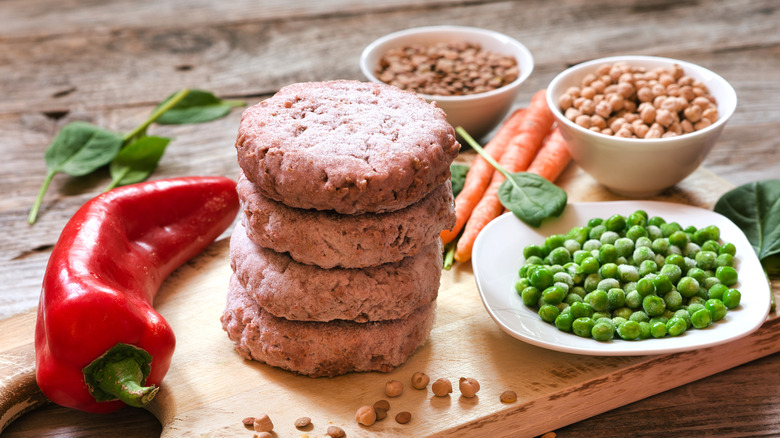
x=336, y=432
x=382, y=404
x=403, y=417
x=264, y=435
x=381, y=414
x=508, y=397
x=302, y=422
x=635, y=102
x=447, y=69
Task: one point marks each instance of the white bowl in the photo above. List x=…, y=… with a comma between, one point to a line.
x=636, y=167
x=478, y=113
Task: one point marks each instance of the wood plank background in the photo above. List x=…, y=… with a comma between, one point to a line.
x=111, y=62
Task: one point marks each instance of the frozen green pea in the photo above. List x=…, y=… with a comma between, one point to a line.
x=662, y=284
x=541, y=278
x=732, y=298
x=674, y=272
x=591, y=282
x=726, y=274
x=668, y=228
x=655, y=221
x=578, y=234
x=554, y=241
x=717, y=291
x=728, y=248
x=598, y=300
x=596, y=232
x=616, y=223
x=635, y=232
x=581, y=310
x=633, y=300
x=572, y=245
x=629, y=330
x=673, y=250
x=555, y=268
x=532, y=250
x=603, y=331
x=564, y=321
x=725, y=260
x=653, y=305
x=601, y=315
x=607, y=284
x=627, y=273
x=560, y=256
x=577, y=290
x=548, y=313
x=716, y=308
x=706, y=260
x=629, y=286
x=608, y=270
x=575, y=273
x=660, y=245
x=653, y=232
x=701, y=318
x=530, y=296
x=710, y=245
x=658, y=329
x=673, y=300
x=553, y=295
x=616, y=297
x=710, y=281
x=644, y=330
x=696, y=300
x=645, y=287
x=624, y=246
x=639, y=316
x=691, y=250
x=609, y=237
x=679, y=239
x=591, y=244
x=647, y=267
x=697, y=273
x=643, y=253
x=607, y=253
x=682, y=313
x=583, y=327
x=595, y=221
x=688, y=287
x=676, y=326
x=643, y=242
x=572, y=298
x=590, y=265
x=622, y=312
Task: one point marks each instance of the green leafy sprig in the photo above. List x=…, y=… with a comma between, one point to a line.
x=81, y=148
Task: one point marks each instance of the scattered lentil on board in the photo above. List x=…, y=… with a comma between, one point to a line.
x=382, y=404
x=302, y=422
x=633, y=102
x=336, y=432
x=447, y=69
x=403, y=417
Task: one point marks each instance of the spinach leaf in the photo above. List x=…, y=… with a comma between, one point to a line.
x=528, y=196
x=458, y=176
x=78, y=149
x=135, y=162
x=755, y=208
x=532, y=198
x=196, y=107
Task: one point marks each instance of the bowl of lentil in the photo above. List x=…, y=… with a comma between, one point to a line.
x=473, y=74
x=640, y=124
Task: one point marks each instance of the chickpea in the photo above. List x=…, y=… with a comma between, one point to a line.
x=588, y=107
x=710, y=114
x=597, y=121
x=588, y=79
x=687, y=126
x=583, y=120
x=441, y=387
x=565, y=101
x=626, y=90
x=664, y=117
x=701, y=124
x=468, y=387
x=573, y=91
x=263, y=424
x=647, y=114
x=420, y=380
x=394, y=388
x=693, y=113
x=365, y=415
x=588, y=92
x=598, y=85
x=685, y=80
x=645, y=94
x=604, y=69
x=641, y=130
x=616, y=101
x=572, y=114
x=603, y=109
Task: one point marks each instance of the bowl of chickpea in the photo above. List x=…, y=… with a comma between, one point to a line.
x=640, y=124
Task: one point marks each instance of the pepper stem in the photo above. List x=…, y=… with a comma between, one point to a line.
x=120, y=374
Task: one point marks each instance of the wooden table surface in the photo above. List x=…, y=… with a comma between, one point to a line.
x=110, y=62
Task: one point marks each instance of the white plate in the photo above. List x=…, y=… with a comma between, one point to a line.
x=497, y=256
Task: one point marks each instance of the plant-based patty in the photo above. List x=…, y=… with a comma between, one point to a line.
x=348, y=146
x=297, y=291
x=328, y=239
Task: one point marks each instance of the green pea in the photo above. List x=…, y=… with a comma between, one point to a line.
x=581, y=310
x=639, y=316
x=564, y=321
x=578, y=234
x=676, y=259
x=663, y=284
x=532, y=250
x=691, y=250
x=583, y=327
x=667, y=228
x=629, y=330
x=726, y=274
x=647, y=267
x=591, y=244
x=609, y=237
x=643, y=253
x=575, y=273
x=534, y=260
x=644, y=330
x=679, y=239
x=603, y=331
x=658, y=329
x=571, y=246
x=716, y=308
x=595, y=222
x=624, y=246
x=688, y=287
x=660, y=245
x=701, y=318
x=601, y=315
x=596, y=232
x=541, y=278
x=706, y=260
x=554, y=241
x=560, y=256
x=645, y=287
x=638, y=217
x=616, y=298
x=725, y=260
x=590, y=265
x=693, y=308
x=635, y=232
x=673, y=300
x=607, y=253
x=548, y=313
x=530, y=296
x=697, y=273
x=598, y=300
x=627, y=273
x=656, y=221
x=622, y=312
x=591, y=282
x=653, y=305
x=672, y=271
x=710, y=245
x=682, y=313
x=608, y=270
x=732, y=298
x=728, y=248
x=676, y=326
x=616, y=223
x=553, y=295
x=633, y=300
x=653, y=232
x=572, y=298
x=607, y=284
x=577, y=290
x=643, y=242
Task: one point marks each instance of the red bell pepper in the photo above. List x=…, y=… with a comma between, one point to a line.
x=99, y=343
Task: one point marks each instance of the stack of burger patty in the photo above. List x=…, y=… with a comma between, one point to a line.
x=345, y=188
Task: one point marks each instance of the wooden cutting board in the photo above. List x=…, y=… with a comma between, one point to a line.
x=210, y=389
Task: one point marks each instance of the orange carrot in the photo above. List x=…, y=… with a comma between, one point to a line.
x=518, y=156
x=480, y=172
x=552, y=158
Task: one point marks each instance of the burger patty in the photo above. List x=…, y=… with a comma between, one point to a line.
x=349, y=146
x=297, y=291
x=329, y=239
x=320, y=349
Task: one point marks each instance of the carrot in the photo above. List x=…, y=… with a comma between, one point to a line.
x=518, y=156
x=552, y=158
x=480, y=172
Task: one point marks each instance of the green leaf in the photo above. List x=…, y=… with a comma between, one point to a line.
x=197, y=106
x=137, y=161
x=81, y=148
x=532, y=198
x=458, y=176
x=755, y=208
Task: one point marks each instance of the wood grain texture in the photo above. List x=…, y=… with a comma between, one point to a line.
x=110, y=62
